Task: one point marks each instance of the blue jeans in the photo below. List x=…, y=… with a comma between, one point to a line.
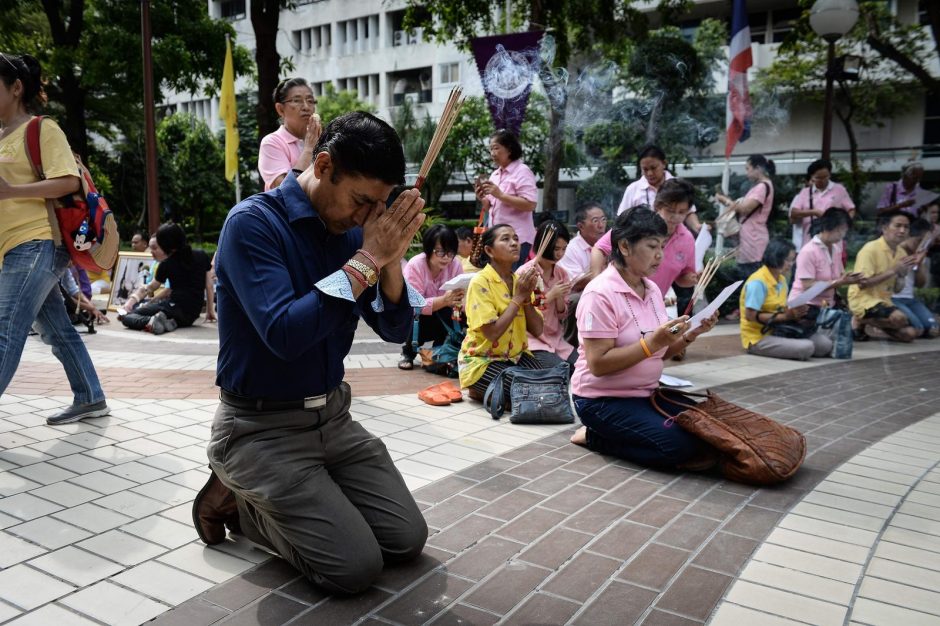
x=29, y=292
x=918, y=315
x=630, y=428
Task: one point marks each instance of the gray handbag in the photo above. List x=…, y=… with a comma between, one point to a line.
x=536, y=396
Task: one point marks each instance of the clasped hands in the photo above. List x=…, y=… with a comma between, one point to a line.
x=388, y=232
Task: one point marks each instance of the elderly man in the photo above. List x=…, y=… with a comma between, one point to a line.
x=592, y=224
x=297, y=267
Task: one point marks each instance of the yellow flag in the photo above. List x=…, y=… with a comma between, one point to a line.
x=228, y=112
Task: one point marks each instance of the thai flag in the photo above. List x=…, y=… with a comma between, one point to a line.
x=738, y=116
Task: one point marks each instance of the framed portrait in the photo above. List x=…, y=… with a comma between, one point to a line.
x=132, y=270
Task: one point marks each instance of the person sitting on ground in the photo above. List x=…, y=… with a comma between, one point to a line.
x=187, y=270
x=139, y=241
x=550, y=347
x=625, y=336
x=591, y=221
x=426, y=272
x=819, y=194
x=152, y=289
x=764, y=302
x=820, y=260
x=499, y=314
x=919, y=316
x=931, y=213
x=76, y=301
x=465, y=249
x=882, y=262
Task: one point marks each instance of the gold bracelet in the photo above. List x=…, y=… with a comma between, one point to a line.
x=646, y=348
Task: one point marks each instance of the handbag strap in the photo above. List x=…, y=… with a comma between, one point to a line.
x=494, y=398
x=658, y=396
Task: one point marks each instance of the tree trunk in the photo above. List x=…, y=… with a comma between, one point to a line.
x=264, y=22
x=654, y=119
x=66, y=39
x=556, y=140
x=857, y=182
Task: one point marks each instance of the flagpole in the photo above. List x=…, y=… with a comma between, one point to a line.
x=238, y=188
x=725, y=182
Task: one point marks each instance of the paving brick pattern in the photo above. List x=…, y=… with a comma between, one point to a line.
x=550, y=533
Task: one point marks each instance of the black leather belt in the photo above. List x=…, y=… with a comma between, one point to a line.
x=313, y=403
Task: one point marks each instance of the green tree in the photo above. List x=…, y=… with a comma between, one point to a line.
x=904, y=45
x=334, y=103
x=265, y=15
x=798, y=73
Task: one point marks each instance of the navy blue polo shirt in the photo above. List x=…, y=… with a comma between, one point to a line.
x=281, y=335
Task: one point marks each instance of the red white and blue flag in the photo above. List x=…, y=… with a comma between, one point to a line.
x=738, y=116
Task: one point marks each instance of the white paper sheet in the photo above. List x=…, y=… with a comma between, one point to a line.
x=702, y=243
x=461, y=281
x=809, y=294
x=672, y=381
x=709, y=310
x=923, y=197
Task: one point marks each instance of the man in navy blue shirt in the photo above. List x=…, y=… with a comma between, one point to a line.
x=297, y=267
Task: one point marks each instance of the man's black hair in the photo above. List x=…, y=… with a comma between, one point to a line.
x=360, y=144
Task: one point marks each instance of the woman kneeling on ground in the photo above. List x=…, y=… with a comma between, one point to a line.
x=764, y=302
x=187, y=271
x=625, y=336
x=499, y=313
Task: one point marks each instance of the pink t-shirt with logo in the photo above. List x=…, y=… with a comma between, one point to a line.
x=834, y=195
x=610, y=309
x=678, y=256
x=276, y=156
x=516, y=179
x=814, y=262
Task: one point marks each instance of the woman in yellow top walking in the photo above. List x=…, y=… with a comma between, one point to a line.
x=32, y=263
x=499, y=312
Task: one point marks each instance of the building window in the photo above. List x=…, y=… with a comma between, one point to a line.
x=232, y=9
x=450, y=73
x=783, y=21
x=932, y=128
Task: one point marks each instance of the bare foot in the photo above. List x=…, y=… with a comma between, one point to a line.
x=580, y=436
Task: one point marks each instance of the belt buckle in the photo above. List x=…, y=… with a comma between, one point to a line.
x=314, y=402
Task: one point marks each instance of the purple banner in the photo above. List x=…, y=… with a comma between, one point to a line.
x=508, y=65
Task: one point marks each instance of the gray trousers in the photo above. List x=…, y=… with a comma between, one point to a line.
x=819, y=345
x=319, y=489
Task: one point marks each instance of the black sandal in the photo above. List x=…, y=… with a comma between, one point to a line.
x=406, y=364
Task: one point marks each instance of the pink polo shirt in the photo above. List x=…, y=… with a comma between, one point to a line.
x=516, y=179
x=814, y=262
x=678, y=256
x=640, y=192
x=834, y=195
x=577, y=259
x=277, y=154
x=552, y=338
x=418, y=275
x=753, y=238
x=606, y=311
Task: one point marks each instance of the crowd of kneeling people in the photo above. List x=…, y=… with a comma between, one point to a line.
x=516, y=315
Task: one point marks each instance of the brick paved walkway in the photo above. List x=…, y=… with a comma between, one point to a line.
x=526, y=528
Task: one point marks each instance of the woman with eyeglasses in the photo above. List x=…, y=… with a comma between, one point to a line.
x=32, y=260
x=652, y=170
x=625, y=337
x=426, y=272
x=291, y=145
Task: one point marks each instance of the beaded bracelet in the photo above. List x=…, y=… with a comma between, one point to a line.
x=369, y=258
x=645, y=346
x=349, y=269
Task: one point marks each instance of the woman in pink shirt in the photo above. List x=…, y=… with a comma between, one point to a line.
x=678, y=263
x=820, y=260
x=426, y=272
x=290, y=146
x=550, y=347
x=510, y=194
x=753, y=211
x=652, y=169
x=625, y=335
x=819, y=194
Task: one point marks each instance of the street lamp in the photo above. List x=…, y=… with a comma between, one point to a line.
x=831, y=19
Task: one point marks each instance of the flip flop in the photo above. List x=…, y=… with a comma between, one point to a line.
x=406, y=364
x=433, y=397
x=450, y=389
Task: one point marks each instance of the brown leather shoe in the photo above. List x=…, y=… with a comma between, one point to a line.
x=213, y=509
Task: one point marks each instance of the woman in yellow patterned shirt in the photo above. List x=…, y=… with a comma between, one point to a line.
x=499, y=312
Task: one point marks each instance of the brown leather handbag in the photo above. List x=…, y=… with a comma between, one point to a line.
x=753, y=448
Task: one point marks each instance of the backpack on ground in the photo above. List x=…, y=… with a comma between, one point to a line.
x=81, y=221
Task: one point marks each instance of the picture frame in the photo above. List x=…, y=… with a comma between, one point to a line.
x=131, y=270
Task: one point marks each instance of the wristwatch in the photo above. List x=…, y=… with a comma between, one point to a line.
x=369, y=273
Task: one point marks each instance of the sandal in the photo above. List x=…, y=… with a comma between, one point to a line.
x=450, y=389
x=406, y=364
x=434, y=397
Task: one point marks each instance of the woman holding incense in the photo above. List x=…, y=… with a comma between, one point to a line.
x=820, y=260
x=510, y=194
x=291, y=145
x=500, y=313
x=551, y=295
x=768, y=326
x=672, y=203
x=753, y=211
x=652, y=171
x=625, y=336
x=426, y=272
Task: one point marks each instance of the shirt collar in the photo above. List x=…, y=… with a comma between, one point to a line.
x=286, y=135
x=619, y=285
x=512, y=167
x=296, y=203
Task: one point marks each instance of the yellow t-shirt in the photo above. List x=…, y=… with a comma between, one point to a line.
x=26, y=219
x=487, y=298
x=467, y=266
x=776, y=300
x=874, y=258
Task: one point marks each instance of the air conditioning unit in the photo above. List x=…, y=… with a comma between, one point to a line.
x=412, y=98
x=414, y=36
x=398, y=38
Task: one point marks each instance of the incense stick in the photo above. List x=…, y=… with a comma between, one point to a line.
x=708, y=273
x=546, y=237
x=448, y=116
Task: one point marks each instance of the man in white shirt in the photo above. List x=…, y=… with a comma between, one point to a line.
x=591, y=221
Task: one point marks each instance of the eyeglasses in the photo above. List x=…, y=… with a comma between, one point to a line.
x=598, y=220
x=443, y=254
x=299, y=102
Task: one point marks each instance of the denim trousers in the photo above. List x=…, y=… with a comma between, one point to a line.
x=918, y=315
x=29, y=292
x=630, y=428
